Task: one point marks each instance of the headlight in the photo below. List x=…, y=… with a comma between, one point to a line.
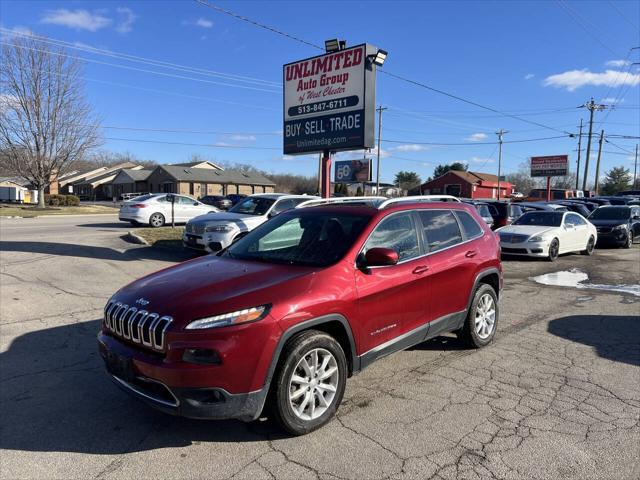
x=537, y=238
x=218, y=228
x=234, y=318
x=620, y=227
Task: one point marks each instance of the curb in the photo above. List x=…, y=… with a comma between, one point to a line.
x=133, y=238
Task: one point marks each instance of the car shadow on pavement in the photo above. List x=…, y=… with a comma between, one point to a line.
x=614, y=337
x=120, y=225
x=102, y=253
x=441, y=344
x=56, y=397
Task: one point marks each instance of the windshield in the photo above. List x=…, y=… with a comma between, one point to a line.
x=546, y=219
x=608, y=213
x=253, y=206
x=299, y=238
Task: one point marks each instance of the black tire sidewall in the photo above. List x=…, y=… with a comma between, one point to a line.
x=297, y=348
x=469, y=331
x=590, y=243
x=554, y=258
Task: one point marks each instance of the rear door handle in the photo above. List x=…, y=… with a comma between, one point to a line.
x=420, y=269
x=471, y=254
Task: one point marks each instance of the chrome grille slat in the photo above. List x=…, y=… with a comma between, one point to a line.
x=138, y=326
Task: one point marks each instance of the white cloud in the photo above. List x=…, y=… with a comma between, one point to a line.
x=529, y=76
x=618, y=63
x=574, y=79
x=243, y=138
x=125, y=24
x=481, y=160
x=76, y=19
x=476, y=137
x=204, y=23
x=410, y=147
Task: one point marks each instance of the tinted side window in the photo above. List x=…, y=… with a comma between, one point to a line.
x=283, y=205
x=469, y=226
x=570, y=220
x=396, y=232
x=440, y=228
x=579, y=220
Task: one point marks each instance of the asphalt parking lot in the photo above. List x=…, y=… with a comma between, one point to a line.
x=556, y=396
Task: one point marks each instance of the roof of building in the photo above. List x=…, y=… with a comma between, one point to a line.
x=17, y=180
x=107, y=175
x=472, y=177
x=207, y=175
x=132, y=175
x=198, y=164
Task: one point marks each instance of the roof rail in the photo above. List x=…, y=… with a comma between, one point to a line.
x=419, y=198
x=328, y=201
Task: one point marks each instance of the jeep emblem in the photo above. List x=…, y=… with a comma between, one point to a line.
x=142, y=301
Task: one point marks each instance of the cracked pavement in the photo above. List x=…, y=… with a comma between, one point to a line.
x=556, y=396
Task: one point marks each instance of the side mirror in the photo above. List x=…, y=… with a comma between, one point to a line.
x=195, y=204
x=380, y=257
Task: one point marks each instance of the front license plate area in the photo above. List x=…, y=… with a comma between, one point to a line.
x=120, y=366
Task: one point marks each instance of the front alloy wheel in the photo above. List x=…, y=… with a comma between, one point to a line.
x=485, y=316
x=310, y=382
x=156, y=220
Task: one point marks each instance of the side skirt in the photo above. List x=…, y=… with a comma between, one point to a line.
x=448, y=323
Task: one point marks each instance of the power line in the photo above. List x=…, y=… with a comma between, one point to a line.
x=127, y=67
x=472, y=144
x=140, y=59
x=623, y=15
x=584, y=24
x=209, y=145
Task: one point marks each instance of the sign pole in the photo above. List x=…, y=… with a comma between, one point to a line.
x=548, y=189
x=326, y=174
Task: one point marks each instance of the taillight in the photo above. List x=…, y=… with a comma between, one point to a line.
x=138, y=205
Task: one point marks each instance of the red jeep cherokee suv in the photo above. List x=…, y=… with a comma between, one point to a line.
x=304, y=301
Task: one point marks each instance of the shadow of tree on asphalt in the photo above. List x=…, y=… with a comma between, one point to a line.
x=102, y=253
x=56, y=397
x=613, y=337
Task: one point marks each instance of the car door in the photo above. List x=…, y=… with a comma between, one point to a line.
x=572, y=233
x=582, y=231
x=391, y=297
x=635, y=221
x=453, y=262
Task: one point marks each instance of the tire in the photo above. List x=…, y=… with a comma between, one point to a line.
x=554, y=248
x=629, y=243
x=299, y=415
x=479, y=328
x=591, y=244
x=156, y=220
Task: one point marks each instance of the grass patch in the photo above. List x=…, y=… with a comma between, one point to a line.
x=161, y=237
x=29, y=212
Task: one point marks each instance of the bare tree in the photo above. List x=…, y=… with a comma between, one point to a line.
x=45, y=122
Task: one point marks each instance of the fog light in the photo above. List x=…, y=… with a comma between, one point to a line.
x=201, y=356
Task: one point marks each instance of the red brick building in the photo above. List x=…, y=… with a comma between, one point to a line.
x=467, y=185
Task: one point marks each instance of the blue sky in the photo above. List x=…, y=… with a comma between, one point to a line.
x=539, y=60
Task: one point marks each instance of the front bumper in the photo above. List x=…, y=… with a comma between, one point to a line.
x=613, y=237
x=213, y=403
x=210, y=242
x=528, y=249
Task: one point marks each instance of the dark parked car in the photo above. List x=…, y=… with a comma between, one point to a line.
x=597, y=200
x=310, y=297
x=538, y=206
x=504, y=213
x=590, y=206
x=236, y=198
x=632, y=193
x=618, y=200
x=218, y=201
x=577, y=207
x=617, y=225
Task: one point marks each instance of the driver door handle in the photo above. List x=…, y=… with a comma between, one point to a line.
x=471, y=254
x=420, y=269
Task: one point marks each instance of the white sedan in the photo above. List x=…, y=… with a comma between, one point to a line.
x=548, y=234
x=155, y=209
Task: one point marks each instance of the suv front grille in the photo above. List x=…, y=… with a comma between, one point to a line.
x=197, y=228
x=137, y=326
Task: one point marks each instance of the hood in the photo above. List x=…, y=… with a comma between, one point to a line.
x=213, y=285
x=241, y=219
x=607, y=223
x=525, y=229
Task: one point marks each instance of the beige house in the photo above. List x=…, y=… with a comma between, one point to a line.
x=98, y=186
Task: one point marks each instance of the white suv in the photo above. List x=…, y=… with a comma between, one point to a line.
x=216, y=231
x=155, y=209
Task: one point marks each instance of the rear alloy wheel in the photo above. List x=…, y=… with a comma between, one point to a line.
x=590, y=247
x=156, y=220
x=310, y=382
x=554, y=249
x=482, y=318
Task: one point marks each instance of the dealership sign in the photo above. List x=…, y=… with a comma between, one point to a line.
x=551, y=166
x=351, y=171
x=329, y=102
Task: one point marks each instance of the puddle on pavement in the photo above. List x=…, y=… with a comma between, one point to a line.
x=578, y=279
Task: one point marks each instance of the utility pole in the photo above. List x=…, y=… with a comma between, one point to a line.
x=595, y=188
x=500, y=133
x=635, y=170
x=380, y=109
x=592, y=107
x=579, y=151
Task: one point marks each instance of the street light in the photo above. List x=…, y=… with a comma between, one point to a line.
x=379, y=58
x=333, y=45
